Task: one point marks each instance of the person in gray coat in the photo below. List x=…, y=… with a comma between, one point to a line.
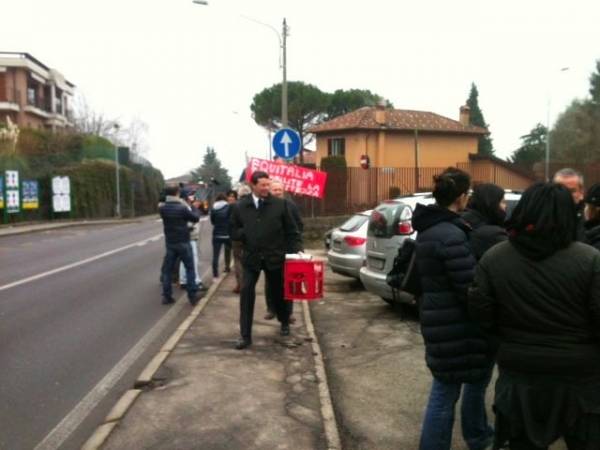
x=219, y=217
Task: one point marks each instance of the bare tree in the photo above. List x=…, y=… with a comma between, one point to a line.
x=133, y=134
x=88, y=121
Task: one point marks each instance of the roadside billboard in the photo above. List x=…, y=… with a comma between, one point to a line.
x=61, y=194
x=30, y=194
x=12, y=195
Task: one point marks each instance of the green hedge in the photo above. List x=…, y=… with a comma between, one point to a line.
x=88, y=161
x=93, y=187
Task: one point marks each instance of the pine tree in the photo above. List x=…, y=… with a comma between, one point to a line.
x=532, y=149
x=212, y=171
x=485, y=146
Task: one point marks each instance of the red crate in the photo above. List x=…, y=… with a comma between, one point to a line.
x=303, y=280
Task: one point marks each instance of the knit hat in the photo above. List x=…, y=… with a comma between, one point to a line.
x=592, y=196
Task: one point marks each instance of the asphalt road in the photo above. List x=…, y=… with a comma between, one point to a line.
x=80, y=315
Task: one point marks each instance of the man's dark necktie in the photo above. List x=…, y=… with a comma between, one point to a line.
x=261, y=203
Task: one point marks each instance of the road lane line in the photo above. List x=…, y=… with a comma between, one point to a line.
x=78, y=263
x=55, y=439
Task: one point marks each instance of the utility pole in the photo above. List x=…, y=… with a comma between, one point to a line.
x=284, y=95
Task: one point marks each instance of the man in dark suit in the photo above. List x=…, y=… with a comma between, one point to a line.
x=267, y=231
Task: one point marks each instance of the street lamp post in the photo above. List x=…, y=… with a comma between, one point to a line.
x=547, y=156
x=283, y=64
x=117, y=180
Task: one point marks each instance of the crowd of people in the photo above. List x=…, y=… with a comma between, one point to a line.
x=521, y=294
x=255, y=225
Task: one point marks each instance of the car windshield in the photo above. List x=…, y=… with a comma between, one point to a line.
x=354, y=223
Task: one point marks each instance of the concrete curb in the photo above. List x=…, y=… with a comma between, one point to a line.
x=25, y=229
x=123, y=405
x=329, y=421
x=99, y=436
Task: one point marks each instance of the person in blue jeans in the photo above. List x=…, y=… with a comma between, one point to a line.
x=176, y=214
x=458, y=355
x=219, y=217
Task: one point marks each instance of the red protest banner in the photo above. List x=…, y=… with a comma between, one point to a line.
x=295, y=179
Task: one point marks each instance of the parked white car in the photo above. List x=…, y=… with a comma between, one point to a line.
x=389, y=225
x=348, y=245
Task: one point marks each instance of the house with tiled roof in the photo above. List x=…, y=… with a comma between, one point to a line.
x=398, y=138
x=405, y=148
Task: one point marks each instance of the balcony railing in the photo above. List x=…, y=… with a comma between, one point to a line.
x=40, y=103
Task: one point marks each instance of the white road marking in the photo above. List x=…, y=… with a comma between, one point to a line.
x=78, y=263
x=71, y=421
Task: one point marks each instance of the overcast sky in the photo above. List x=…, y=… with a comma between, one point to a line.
x=190, y=71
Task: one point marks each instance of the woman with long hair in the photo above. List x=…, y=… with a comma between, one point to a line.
x=538, y=296
x=486, y=213
x=456, y=353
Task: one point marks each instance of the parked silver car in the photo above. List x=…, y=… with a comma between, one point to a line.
x=389, y=225
x=348, y=244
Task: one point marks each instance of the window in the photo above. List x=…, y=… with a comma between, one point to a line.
x=58, y=105
x=354, y=222
x=336, y=147
x=31, y=95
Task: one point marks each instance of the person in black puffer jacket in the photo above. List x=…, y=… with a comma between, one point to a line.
x=456, y=352
x=539, y=295
x=592, y=216
x=486, y=214
x=176, y=214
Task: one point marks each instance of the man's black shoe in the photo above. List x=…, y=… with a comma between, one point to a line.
x=285, y=330
x=195, y=299
x=241, y=344
x=168, y=300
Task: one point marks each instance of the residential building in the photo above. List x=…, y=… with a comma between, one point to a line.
x=398, y=138
x=32, y=94
x=406, y=148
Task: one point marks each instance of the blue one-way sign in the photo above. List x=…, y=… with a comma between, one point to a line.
x=286, y=143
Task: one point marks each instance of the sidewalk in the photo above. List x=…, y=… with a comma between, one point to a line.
x=11, y=230
x=209, y=395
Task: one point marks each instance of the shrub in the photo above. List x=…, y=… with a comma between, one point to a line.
x=333, y=162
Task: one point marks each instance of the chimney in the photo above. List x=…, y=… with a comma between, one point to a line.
x=465, y=115
x=380, y=113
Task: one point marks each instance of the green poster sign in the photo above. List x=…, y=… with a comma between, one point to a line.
x=12, y=194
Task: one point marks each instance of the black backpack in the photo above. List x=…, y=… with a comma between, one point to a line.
x=404, y=275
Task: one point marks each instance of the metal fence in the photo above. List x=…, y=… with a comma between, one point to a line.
x=355, y=189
